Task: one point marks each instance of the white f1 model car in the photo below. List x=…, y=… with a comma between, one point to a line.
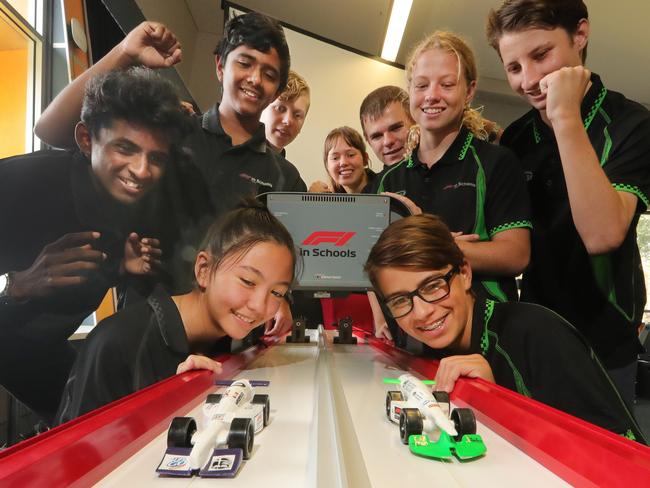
x=419, y=412
x=230, y=422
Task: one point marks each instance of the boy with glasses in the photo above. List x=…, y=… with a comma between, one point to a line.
x=420, y=274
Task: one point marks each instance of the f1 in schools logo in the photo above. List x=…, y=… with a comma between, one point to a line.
x=321, y=237
x=337, y=238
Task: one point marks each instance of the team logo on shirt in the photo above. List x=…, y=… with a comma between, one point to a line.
x=252, y=179
x=460, y=184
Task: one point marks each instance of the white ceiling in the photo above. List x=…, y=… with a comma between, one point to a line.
x=618, y=49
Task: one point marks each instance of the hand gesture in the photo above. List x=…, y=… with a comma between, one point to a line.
x=410, y=204
x=152, y=45
x=280, y=324
x=194, y=361
x=141, y=256
x=383, y=332
x=565, y=89
x=319, y=187
x=66, y=262
x=453, y=367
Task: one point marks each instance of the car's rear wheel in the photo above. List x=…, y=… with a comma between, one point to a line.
x=265, y=401
x=213, y=398
x=392, y=396
x=441, y=396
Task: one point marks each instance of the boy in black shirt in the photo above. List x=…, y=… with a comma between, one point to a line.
x=585, y=152
x=424, y=281
x=230, y=157
x=67, y=225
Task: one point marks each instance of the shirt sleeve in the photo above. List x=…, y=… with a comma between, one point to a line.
x=100, y=375
x=507, y=203
x=626, y=159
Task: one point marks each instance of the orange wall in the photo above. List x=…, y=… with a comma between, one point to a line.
x=13, y=96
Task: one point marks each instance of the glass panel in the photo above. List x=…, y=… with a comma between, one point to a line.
x=30, y=10
x=58, y=25
x=643, y=239
x=16, y=93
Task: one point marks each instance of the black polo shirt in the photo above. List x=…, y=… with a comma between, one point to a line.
x=43, y=196
x=126, y=352
x=213, y=179
x=603, y=296
x=535, y=352
x=475, y=187
x=371, y=176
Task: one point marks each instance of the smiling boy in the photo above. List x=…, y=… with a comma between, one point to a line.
x=284, y=117
x=585, y=152
x=229, y=156
x=66, y=219
x=385, y=119
x=424, y=281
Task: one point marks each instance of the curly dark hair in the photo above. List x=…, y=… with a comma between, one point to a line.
x=259, y=32
x=138, y=95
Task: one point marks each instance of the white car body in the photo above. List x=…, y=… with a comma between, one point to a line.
x=213, y=433
x=418, y=395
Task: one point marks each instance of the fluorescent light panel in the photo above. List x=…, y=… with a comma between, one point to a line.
x=396, y=25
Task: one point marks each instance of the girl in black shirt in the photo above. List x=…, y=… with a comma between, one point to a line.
x=243, y=273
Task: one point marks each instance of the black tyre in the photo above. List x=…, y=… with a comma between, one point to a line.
x=410, y=423
x=392, y=396
x=464, y=421
x=213, y=398
x=264, y=400
x=241, y=436
x=441, y=396
x=181, y=431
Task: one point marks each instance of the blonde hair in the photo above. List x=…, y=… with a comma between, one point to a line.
x=296, y=86
x=449, y=42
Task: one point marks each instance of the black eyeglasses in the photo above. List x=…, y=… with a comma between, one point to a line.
x=431, y=291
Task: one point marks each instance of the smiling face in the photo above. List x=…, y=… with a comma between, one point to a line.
x=126, y=159
x=438, y=91
x=245, y=290
x=250, y=80
x=387, y=134
x=530, y=55
x=346, y=166
x=283, y=120
x=444, y=324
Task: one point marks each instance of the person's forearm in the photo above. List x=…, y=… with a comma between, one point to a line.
x=601, y=215
x=502, y=256
x=56, y=124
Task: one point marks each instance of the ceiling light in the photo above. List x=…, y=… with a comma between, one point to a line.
x=396, y=25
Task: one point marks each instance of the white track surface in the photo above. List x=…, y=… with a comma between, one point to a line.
x=329, y=429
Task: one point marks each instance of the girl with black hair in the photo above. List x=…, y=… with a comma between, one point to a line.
x=243, y=272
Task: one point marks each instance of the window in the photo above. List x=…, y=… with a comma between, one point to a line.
x=643, y=240
x=21, y=54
